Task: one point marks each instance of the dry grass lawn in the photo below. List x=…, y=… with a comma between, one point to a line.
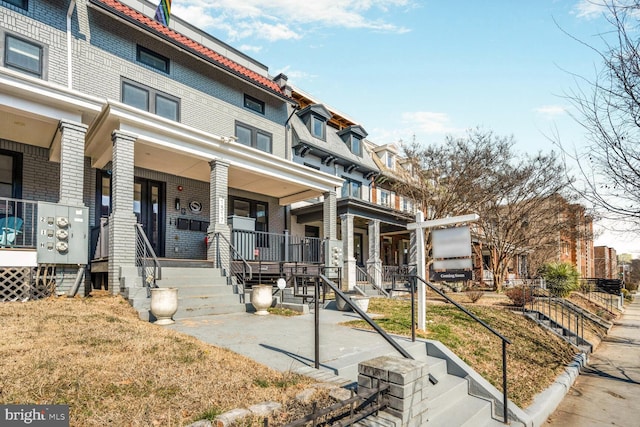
x=534, y=359
x=95, y=355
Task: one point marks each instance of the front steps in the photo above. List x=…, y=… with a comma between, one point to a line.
x=449, y=394
x=201, y=292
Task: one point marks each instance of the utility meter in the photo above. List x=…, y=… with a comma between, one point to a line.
x=63, y=234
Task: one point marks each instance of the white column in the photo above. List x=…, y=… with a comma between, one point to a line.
x=374, y=263
x=420, y=271
x=349, y=269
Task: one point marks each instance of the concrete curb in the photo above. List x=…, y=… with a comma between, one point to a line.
x=546, y=402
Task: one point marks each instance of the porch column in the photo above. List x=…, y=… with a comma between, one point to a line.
x=122, y=234
x=374, y=263
x=329, y=216
x=71, y=162
x=349, y=269
x=218, y=196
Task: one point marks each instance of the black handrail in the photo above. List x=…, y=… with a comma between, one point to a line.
x=247, y=271
x=504, y=339
x=364, y=316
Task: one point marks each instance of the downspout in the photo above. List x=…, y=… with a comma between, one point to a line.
x=72, y=6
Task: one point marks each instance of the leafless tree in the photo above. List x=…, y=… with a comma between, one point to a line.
x=609, y=112
x=516, y=196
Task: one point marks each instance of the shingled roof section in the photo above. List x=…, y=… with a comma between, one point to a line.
x=191, y=45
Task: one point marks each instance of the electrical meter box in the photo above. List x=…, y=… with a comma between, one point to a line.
x=333, y=257
x=63, y=233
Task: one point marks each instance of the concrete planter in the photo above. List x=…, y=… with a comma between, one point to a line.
x=164, y=304
x=361, y=301
x=261, y=298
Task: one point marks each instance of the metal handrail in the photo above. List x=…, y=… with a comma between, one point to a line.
x=144, y=251
x=246, y=273
x=364, y=316
x=559, y=312
x=504, y=339
x=370, y=279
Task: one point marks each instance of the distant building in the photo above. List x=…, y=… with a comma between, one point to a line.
x=606, y=263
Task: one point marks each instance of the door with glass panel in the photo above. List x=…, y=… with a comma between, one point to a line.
x=149, y=206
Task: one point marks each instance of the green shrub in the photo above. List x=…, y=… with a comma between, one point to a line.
x=561, y=278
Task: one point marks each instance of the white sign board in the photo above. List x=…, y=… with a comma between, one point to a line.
x=453, y=264
x=451, y=242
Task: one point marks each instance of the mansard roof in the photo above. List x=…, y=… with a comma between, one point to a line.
x=180, y=40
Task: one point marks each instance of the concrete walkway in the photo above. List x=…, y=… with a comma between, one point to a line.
x=606, y=392
x=287, y=343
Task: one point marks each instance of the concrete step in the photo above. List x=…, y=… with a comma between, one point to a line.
x=199, y=290
x=324, y=376
x=462, y=410
x=208, y=310
x=183, y=273
x=203, y=300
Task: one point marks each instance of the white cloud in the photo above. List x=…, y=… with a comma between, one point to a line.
x=296, y=76
x=589, y=9
x=249, y=48
x=428, y=122
x=274, y=20
x=551, y=111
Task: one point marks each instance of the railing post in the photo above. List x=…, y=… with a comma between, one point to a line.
x=286, y=245
x=505, y=411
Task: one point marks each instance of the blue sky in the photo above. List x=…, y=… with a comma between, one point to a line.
x=425, y=68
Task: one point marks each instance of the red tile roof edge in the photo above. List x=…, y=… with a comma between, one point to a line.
x=191, y=45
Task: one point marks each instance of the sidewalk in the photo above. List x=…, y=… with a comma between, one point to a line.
x=606, y=392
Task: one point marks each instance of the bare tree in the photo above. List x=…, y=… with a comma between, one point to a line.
x=609, y=111
x=516, y=196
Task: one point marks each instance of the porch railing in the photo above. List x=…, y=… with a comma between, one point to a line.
x=146, y=260
x=273, y=247
x=18, y=223
x=389, y=271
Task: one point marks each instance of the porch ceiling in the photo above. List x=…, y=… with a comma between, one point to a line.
x=176, y=149
x=31, y=108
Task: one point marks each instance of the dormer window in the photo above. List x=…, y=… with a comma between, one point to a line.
x=355, y=145
x=352, y=137
x=253, y=104
x=315, y=117
x=318, y=127
x=391, y=161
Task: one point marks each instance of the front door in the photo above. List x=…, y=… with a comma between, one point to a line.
x=357, y=248
x=149, y=207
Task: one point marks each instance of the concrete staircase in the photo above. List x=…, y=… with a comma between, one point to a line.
x=457, y=396
x=202, y=291
x=566, y=334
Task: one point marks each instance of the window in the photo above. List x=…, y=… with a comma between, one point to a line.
x=152, y=59
x=23, y=55
x=148, y=99
x=317, y=127
x=251, y=209
x=10, y=174
x=390, y=161
x=23, y=4
x=351, y=188
x=385, y=198
x=253, y=137
x=253, y=104
x=355, y=145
